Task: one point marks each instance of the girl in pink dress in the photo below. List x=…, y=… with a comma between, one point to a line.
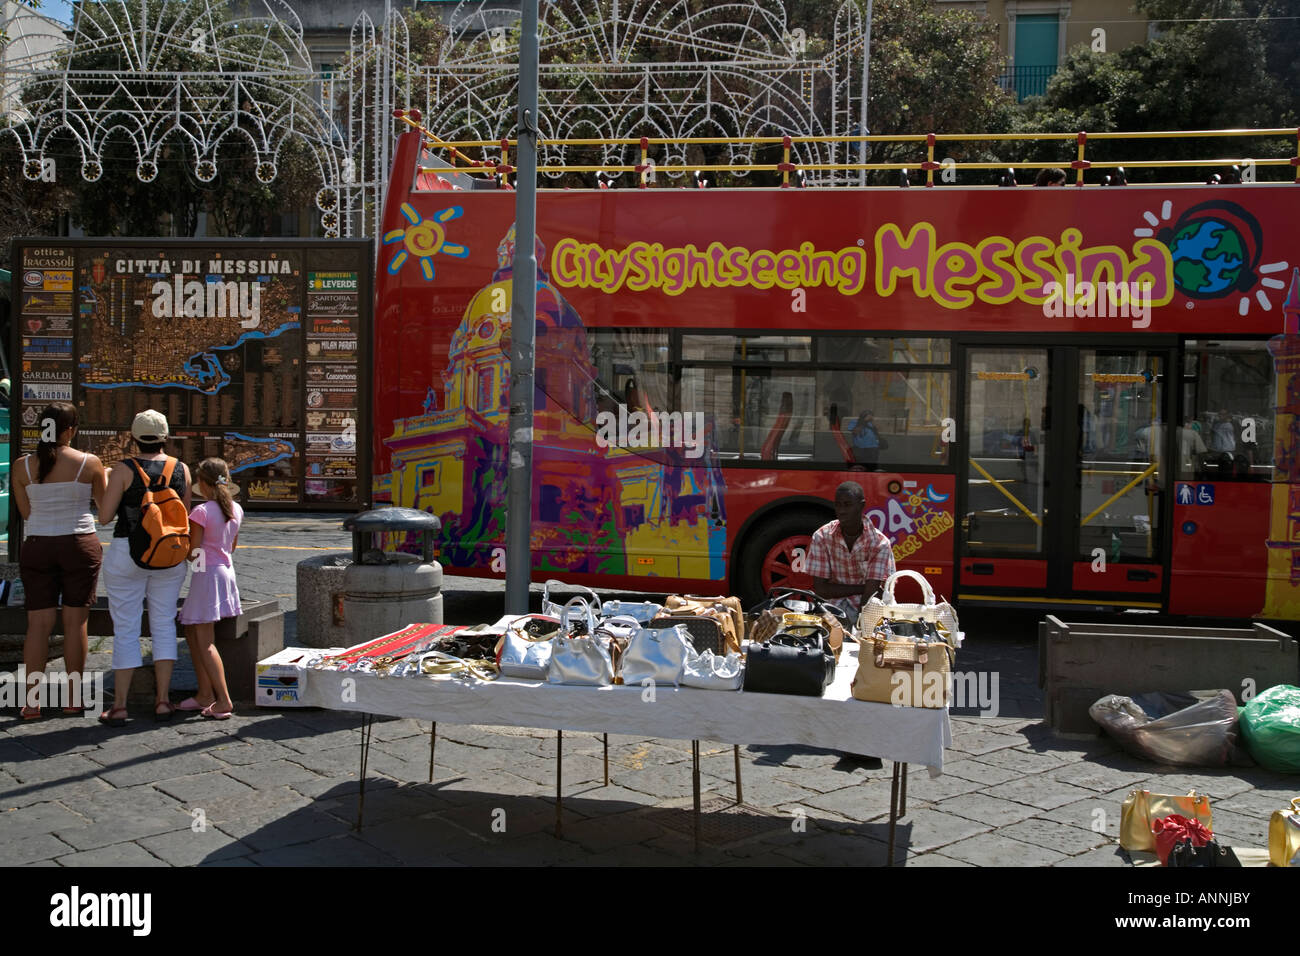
x=214, y=535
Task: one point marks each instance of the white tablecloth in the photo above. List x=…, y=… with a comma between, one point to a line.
x=834, y=721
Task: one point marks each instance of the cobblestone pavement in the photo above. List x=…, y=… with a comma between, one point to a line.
x=280, y=787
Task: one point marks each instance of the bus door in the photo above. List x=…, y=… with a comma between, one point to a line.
x=1063, y=489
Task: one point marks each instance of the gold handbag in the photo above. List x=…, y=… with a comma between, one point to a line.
x=904, y=673
x=1142, y=808
x=1284, y=836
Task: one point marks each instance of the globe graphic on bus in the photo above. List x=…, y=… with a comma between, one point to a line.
x=1209, y=255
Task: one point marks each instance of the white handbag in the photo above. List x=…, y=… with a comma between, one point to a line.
x=656, y=654
x=552, y=609
x=709, y=671
x=884, y=608
x=525, y=648
x=580, y=660
x=642, y=611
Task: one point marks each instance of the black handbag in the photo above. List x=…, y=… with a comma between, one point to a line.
x=469, y=646
x=1184, y=854
x=797, y=661
x=923, y=632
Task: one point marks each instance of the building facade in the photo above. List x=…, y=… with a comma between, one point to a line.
x=1035, y=35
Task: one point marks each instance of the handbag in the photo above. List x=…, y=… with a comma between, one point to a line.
x=885, y=608
x=642, y=611
x=799, y=601
x=616, y=633
x=797, y=661
x=525, y=649
x=708, y=671
x=656, y=654
x=724, y=611
x=1142, y=808
x=1176, y=828
x=1186, y=853
x=898, y=666
x=469, y=645
x=551, y=609
x=578, y=655
x=772, y=620
x=1284, y=836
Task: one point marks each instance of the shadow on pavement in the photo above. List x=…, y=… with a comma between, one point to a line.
x=452, y=823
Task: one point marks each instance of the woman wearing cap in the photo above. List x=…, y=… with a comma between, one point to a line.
x=61, y=553
x=128, y=584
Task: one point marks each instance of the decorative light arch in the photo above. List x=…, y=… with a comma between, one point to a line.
x=731, y=69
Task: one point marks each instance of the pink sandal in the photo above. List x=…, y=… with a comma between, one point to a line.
x=211, y=714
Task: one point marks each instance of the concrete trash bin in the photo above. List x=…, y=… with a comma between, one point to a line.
x=383, y=591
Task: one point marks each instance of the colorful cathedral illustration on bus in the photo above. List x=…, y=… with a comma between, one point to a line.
x=646, y=511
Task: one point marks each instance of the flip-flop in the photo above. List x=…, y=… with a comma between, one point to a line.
x=30, y=713
x=73, y=711
x=107, y=717
x=211, y=714
x=191, y=704
x=164, y=716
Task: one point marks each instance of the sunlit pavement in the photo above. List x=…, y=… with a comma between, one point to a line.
x=277, y=787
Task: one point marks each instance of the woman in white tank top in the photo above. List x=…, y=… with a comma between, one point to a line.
x=60, y=554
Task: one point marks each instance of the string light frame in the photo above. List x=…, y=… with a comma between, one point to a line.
x=735, y=69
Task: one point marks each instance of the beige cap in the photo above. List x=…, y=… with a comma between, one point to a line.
x=231, y=487
x=149, y=426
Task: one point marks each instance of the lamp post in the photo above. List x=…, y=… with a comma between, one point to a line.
x=523, y=326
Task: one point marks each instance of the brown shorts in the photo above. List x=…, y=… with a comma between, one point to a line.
x=65, y=564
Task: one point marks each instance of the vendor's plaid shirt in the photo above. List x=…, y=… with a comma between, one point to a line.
x=872, y=559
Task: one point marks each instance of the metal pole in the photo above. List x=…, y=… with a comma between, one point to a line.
x=523, y=319
x=866, y=74
x=385, y=119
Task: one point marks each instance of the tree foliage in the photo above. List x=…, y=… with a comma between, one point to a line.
x=119, y=203
x=1215, y=64
x=933, y=71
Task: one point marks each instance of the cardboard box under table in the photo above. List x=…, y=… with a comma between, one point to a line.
x=834, y=721
x=282, y=677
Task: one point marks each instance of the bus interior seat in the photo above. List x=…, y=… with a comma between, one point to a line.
x=773, y=443
x=838, y=433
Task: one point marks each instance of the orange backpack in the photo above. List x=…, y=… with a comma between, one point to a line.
x=162, y=538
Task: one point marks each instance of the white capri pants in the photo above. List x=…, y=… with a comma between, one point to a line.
x=128, y=586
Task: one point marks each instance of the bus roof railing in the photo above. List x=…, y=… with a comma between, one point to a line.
x=460, y=162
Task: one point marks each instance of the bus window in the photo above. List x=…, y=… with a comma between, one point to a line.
x=632, y=369
x=883, y=418
x=1228, y=399
x=882, y=350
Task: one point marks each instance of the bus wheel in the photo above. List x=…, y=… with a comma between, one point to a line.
x=775, y=553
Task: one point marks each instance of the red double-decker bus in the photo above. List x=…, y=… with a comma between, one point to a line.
x=1051, y=397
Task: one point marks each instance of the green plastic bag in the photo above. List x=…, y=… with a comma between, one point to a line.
x=1270, y=724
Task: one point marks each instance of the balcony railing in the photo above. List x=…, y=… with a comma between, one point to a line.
x=1027, y=80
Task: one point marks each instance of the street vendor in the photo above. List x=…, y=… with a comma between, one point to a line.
x=849, y=558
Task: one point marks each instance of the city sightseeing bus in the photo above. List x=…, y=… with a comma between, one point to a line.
x=1053, y=398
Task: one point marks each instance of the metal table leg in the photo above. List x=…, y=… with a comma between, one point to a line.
x=559, y=793
x=740, y=793
x=893, y=813
x=606, y=736
x=433, y=738
x=695, y=786
x=367, y=724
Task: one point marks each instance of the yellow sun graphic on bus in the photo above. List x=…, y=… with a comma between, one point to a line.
x=424, y=238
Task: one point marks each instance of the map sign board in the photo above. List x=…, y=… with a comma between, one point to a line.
x=257, y=351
